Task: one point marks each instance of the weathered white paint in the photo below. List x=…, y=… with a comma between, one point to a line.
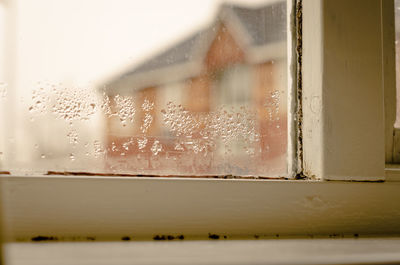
x=343, y=126
x=292, y=91
x=392, y=172
x=389, y=78
x=312, y=87
x=288, y=251
x=112, y=207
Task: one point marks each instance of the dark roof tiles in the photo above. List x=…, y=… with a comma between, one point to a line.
x=180, y=53
x=263, y=25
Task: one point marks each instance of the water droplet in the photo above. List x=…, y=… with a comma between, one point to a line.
x=73, y=137
x=125, y=108
x=147, y=105
x=179, y=147
x=147, y=121
x=142, y=143
x=156, y=148
x=98, y=148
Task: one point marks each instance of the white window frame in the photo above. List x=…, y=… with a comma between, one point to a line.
x=332, y=147
x=389, y=80
x=343, y=96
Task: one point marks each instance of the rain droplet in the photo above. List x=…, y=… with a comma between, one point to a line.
x=142, y=143
x=156, y=148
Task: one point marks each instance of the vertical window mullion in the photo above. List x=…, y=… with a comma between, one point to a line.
x=343, y=121
x=389, y=79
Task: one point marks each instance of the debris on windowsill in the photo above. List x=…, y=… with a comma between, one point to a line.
x=72, y=173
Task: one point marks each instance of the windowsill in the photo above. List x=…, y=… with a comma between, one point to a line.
x=109, y=208
x=288, y=251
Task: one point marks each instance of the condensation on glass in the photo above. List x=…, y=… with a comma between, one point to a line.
x=170, y=88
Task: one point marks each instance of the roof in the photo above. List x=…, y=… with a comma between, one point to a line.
x=180, y=53
x=272, y=16
x=261, y=26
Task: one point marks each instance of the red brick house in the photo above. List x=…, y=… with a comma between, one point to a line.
x=238, y=62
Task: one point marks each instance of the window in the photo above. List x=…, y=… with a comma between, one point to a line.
x=330, y=69
x=205, y=97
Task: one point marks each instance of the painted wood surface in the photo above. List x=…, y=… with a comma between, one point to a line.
x=105, y=208
x=343, y=127
x=286, y=251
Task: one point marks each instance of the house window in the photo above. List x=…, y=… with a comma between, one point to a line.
x=232, y=87
x=197, y=91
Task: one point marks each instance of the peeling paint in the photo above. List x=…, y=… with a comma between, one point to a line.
x=168, y=237
x=299, y=110
x=213, y=236
x=94, y=174
x=44, y=238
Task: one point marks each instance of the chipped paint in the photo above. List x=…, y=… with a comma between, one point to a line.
x=299, y=89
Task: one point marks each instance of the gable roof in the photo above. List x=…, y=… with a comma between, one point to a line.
x=264, y=24
x=180, y=53
x=258, y=26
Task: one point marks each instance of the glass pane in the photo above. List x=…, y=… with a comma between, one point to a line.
x=170, y=88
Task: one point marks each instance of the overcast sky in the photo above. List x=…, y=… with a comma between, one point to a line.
x=83, y=41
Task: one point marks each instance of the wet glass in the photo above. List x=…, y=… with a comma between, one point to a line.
x=163, y=88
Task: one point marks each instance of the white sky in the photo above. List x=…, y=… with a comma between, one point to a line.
x=82, y=41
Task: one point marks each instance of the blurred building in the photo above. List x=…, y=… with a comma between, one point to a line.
x=238, y=63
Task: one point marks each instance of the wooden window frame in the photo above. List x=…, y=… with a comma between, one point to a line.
x=325, y=143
